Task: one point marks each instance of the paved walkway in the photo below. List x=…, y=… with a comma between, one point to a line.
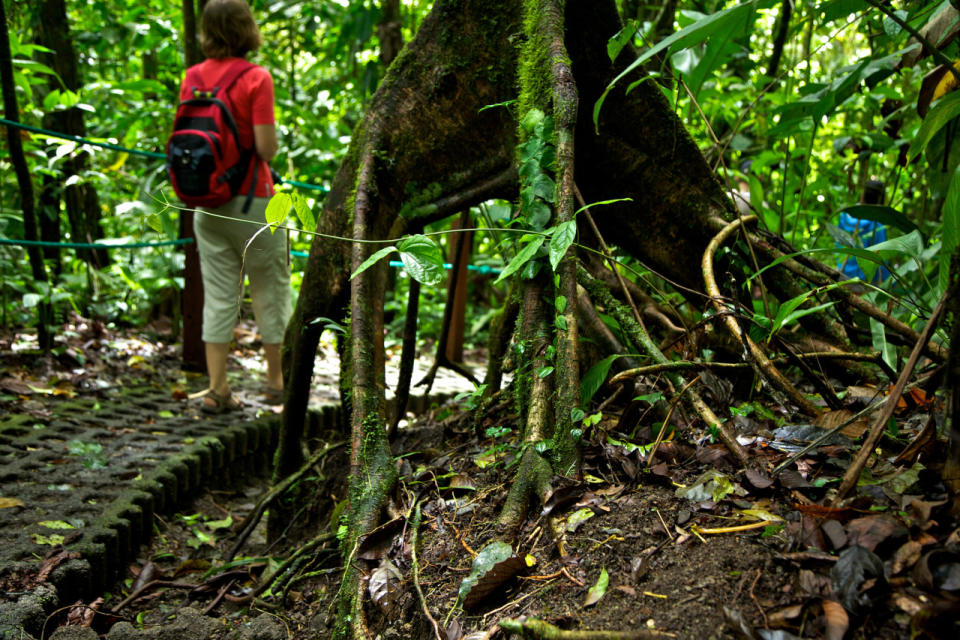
x=81, y=478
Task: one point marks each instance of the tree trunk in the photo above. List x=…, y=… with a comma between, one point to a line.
x=81, y=201
x=19, y=162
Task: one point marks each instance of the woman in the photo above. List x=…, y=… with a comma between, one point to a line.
x=229, y=32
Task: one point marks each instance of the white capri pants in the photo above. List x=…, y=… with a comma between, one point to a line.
x=223, y=265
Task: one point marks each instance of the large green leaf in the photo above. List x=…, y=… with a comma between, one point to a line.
x=882, y=214
x=372, y=260
x=422, y=259
x=561, y=239
x=594, y=378
x=277, y=209
x=945, y=110
x=950, y=229
x=696, y=33
x=523, y=257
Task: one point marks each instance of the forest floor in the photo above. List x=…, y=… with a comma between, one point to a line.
x=683, y=545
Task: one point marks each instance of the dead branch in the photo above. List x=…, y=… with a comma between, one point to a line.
x=876, y=430
x=764, y=366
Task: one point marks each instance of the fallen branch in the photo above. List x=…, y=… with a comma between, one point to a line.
x=540, y=630
x=764, y=366
x=876, y=430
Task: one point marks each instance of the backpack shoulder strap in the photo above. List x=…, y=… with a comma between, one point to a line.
x=232, y=74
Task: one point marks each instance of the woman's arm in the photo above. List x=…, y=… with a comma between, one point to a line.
x=265, y=140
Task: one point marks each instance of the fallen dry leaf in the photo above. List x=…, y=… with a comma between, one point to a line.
x=906, y=556
x=870, y=531
x=837, y=620
x=7, y=503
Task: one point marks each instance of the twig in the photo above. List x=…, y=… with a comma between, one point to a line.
x=866, y=449
x=753, y=597
x=415, y=569
x=150, y=585
x=664, y=424
x=220, y=594
x=764, y=366
x=515, y=602
x=571, y=578
x=609, y=257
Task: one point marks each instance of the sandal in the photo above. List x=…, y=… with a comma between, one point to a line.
x=220, y=404
x=273, y=396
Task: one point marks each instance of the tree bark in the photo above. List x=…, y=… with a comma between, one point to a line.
x=19, y=161
x=80, y=200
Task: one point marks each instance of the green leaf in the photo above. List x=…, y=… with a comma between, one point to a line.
x=622, y=38
x=578, y=517
x=909, y=245
x=544, y=186
x=56, y=524
x=533, y=118
x=489, y=556
x=601, y=203
x=155, y=223
x=372, y=260
x=277, y=209
x=944, y=110
x=594, y=378
x=694, y=34
x=785, y=319
x=950, y=228
x=560, y=240
x=882, y=214
x=422, y=259
x=560, y=304
x=522, y=258
x=304, y=214
x=543, y=372
x=597, y=590
x=538, y=215
x=878, y=337
x=220, y=524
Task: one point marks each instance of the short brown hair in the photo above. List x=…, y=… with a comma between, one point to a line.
x=229, y=29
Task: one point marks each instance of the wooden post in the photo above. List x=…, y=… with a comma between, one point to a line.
x=191, y=304
x=457, y=293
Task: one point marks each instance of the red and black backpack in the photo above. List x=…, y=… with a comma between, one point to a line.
x=205, y=161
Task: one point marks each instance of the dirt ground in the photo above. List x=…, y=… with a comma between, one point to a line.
x=683, y=545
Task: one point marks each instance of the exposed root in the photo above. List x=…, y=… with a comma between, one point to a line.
x=600, y=293
x=415, y=570
x=250, y=522
x=764, y=366
x=407, y=355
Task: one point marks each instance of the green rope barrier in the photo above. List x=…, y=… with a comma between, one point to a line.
x=73, y=138
x=136, y=152
x=94, y=245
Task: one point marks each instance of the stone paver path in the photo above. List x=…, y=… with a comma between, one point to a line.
x=81, y=479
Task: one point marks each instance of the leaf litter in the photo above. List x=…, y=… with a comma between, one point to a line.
x=883, y=565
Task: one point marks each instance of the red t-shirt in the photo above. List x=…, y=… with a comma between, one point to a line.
x=251, y=102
